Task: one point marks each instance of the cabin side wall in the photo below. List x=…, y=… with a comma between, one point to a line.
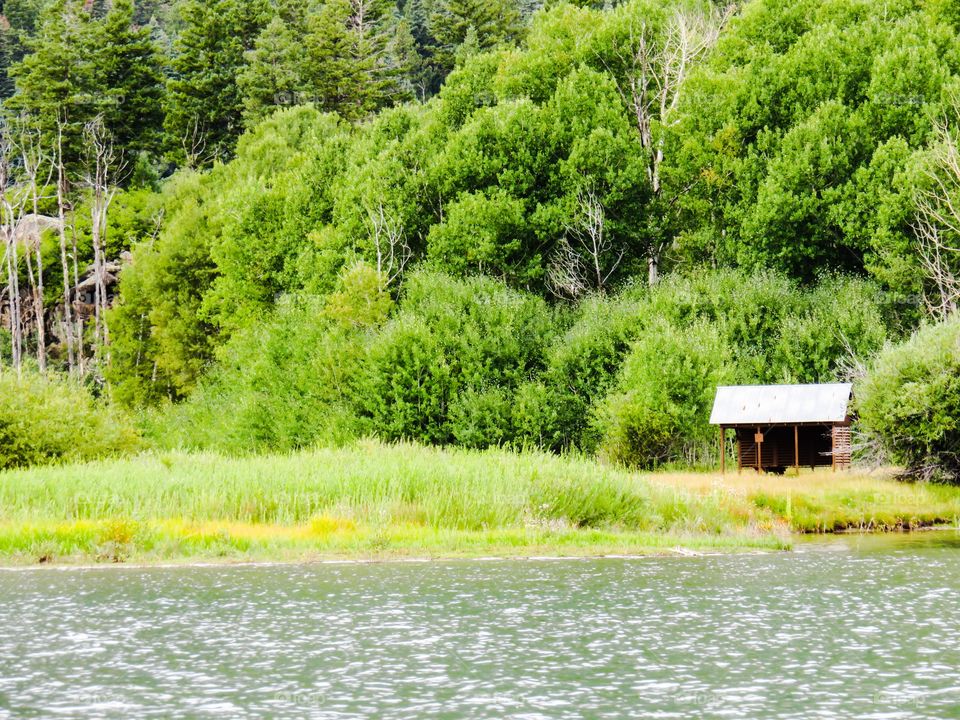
x=814, y=446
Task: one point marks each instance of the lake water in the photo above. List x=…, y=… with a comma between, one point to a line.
x=865, y=627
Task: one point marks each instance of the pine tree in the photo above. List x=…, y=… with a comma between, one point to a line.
x=423, y=75
x=56, y=80
x=129, y=71
x=274, y=72
x=493, y=21
x=355, y=57
x=204, y=106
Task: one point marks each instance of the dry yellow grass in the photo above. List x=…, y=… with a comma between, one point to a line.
x=823, y=500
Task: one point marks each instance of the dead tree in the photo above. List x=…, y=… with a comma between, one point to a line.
x=654, y=64
x=567, y=273
x=32, y=158
x=12, y=203
x=102, y=165
x=937, y=223
x=586, y=258
x=68, y=326
x=194, y=145
x=389, y=245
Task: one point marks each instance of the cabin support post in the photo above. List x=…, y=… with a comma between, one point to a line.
x=833, y=449
x=723, y=453
x=758, y=441
x=796, y=448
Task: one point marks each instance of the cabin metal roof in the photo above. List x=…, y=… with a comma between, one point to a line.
x=787, y=404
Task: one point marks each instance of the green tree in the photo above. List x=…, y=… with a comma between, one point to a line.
x=273, y=75
x=355, y=55
x=659, y=410
x=56, y=80
x=21, y=17
x=450, y=23
x=129, y=69
x=797, y=137
x=909, y=402
x=204, y=110
x=80, y=66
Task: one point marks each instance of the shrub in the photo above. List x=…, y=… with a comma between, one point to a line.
x=406, y=386
x=909, y=402
x=659, y=410
x=838, y=319
x=280, y=384
x=446, y=367
x=582, y=365
x=48, y=419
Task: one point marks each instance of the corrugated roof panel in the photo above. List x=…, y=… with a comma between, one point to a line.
x=767, y=404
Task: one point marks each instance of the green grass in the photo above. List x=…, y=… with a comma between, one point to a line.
x=372, y=500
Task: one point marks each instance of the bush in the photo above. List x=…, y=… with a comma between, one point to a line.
x=446, y=368
x=49, y=419
x=280, y=384
x=660, y=408
x=582, y=365
x=909, y=402
x=842, y=316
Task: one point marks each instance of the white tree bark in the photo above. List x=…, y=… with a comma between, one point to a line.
x=389, y=245
x=937, y=224
x=658, y=62
x=102, y=164
x=68, y=326
x=587, y=258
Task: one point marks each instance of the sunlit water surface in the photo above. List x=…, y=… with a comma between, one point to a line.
x=856, y=627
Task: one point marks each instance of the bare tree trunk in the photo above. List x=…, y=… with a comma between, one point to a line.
x=657, y=65
x=11, y=217
x=78, y=327
x=102, y=163
x=937, y=223
x=590, y=260
x=389, y=245
x=13, y=295
x=32, y=157
x=62, y=230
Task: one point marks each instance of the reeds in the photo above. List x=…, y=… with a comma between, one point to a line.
x=371, y=499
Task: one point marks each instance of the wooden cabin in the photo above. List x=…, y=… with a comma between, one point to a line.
x=781, y=426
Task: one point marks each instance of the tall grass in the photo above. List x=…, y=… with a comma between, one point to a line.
x=368, y=482
x=371, y=498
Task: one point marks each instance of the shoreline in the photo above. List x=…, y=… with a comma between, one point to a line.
x=291, y=546
x=805, y=542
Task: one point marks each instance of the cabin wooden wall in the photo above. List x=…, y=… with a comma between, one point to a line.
x=816, y=443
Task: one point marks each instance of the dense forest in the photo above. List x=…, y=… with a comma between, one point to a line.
x=259, y=225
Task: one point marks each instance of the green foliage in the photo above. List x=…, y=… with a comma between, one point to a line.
x=49, y=419
x=791, y=137
x=909, y=402
x=661, y=404
x=229, y=245
x=160, y=342
x=442, y=370
x=478, y=24
x=839, y=323
x=483, y=233
x=581, y=367
x=282, y=383
x=204, y=107
x=428, y=242
x=79, y=66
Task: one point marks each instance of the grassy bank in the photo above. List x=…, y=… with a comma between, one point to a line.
x=373, y=500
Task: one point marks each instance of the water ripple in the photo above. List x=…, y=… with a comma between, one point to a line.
x=809, y=634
